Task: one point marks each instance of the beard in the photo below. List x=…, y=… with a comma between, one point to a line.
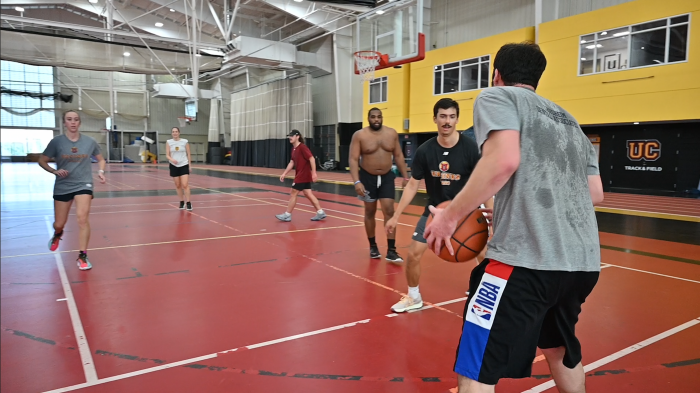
x=375, y=127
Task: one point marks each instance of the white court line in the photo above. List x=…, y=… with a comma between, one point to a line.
x=604, y=265
x=83, y=347
x=439, y=304
x=213, y=355
x=152, y=210
x=656, y=274
x=338, y=211
x=611, y=358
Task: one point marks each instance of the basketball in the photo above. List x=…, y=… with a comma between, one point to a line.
x=469, y=238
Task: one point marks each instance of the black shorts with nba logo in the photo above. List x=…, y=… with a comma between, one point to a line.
x=513, y=310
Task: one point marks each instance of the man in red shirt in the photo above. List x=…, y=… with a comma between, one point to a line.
x=305, y=165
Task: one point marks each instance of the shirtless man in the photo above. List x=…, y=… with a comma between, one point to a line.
x=373, y=178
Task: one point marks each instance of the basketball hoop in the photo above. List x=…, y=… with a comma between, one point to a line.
x=366, y=61
x=184, y=121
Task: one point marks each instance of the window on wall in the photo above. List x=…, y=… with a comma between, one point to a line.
x=21, y=111
x=378, y=90
x=19, y=142
x=465, y=75
x=652, y=43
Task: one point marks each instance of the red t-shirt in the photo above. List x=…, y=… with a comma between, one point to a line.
x=301, y=155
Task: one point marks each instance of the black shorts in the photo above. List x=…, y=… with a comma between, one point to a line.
x=177, y=171
x=301, y=186
x=69, y=197
x=511, y=311
x=419, y=233
x=378, y=186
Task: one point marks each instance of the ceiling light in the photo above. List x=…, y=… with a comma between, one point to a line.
x=172, y=10
x=92, y=1
x=642, y=47
x=127, y=54
x=636, y=122
x=621, y=34
x=298, y=1
x=158, y=24
x=583, y=58
x=380, y=12
x=198, y=55
x=19, y=9
x=583, y=41
x=604, y=33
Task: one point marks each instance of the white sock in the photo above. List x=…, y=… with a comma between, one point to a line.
x=287, y=213
x=413, y=292
x=320, y=211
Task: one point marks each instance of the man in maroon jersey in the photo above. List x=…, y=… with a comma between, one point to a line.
x=305, y=164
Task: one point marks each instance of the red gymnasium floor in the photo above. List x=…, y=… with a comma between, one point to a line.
x=228, y=299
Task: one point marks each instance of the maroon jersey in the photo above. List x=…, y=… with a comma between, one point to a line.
x=301, y=155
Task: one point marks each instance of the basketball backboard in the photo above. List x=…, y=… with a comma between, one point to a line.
x=394, y=29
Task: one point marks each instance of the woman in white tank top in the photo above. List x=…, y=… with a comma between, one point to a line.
x=178, y=153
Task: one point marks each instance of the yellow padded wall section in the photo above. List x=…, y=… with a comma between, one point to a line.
x=422, y=98
x=395, y=109
x=658, y=93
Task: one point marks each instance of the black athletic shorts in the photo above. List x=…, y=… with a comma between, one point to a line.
x=301, y=186
x=419, y=232
x=511, y=311
x=177, y=171
x=378, y=186
x=69, y=197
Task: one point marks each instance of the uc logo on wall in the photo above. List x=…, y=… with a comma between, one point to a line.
x=643, y=150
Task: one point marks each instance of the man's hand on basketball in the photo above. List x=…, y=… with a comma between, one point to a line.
x=390, y=225
x=439, y=232
x=360, y=189
x=314, y=177
x=488, y=214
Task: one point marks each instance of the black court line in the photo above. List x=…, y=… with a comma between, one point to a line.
x=649, y=254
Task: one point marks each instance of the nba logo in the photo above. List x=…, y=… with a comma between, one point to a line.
x=444, y=166
x=481, y=312
x=74, y=149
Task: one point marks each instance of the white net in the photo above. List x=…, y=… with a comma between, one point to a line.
x=183, y=121
x=366, y=62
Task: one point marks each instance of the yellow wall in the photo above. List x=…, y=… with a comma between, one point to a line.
x=395, y=110
x=422, y=98
x=672, y=94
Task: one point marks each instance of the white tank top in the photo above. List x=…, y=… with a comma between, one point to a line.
x=178, y=152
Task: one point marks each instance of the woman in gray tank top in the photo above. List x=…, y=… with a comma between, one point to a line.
x=72, y=152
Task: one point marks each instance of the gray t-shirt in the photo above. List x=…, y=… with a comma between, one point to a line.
x=75, y=158
x=543, y=216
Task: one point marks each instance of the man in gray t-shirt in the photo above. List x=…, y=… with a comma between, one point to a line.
x=544, y=257
x=74, y=182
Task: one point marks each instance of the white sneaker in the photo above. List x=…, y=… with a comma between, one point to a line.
x=407, y=303
x=284, y=217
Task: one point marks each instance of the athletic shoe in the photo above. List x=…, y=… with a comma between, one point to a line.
x=407, y=303
x=83, y=262
x=53, y=243
x=182, y=205
x=393, y=256
x=318, y=216
x=284, y=217
x=374, y=252
x=189, y=206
